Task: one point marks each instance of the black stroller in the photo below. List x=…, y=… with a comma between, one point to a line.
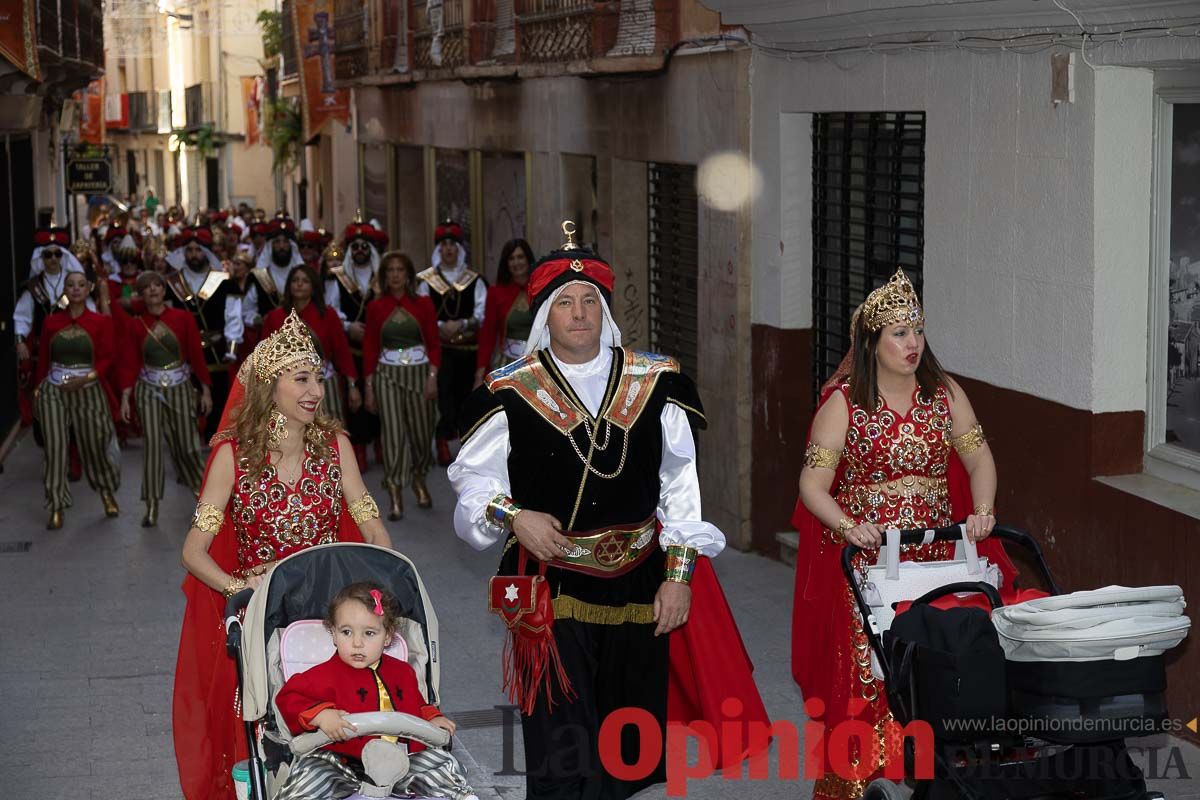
x=993, y=759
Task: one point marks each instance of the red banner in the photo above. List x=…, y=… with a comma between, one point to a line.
x=252, y=104
x=18, y=39
x=319, y=100
x=91, y=112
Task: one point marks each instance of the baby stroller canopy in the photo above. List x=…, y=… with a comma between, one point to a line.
x=301, y=586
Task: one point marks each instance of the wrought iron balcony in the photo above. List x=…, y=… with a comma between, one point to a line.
x=198, y=106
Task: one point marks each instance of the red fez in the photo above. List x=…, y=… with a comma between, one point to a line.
x=198, y=234
x=281, y=226
x=448, y=230
x=360, y=230
x=44, y=237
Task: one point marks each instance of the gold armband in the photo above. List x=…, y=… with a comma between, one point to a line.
x=817, y=456
x=208, y=518
x=364, y=509
x=681, y=562
x=970, y=441
x=984, y=510
x=500, y=512
x=234, y=586
x=845, y=525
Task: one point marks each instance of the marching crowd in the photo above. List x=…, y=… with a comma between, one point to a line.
x=135, y=330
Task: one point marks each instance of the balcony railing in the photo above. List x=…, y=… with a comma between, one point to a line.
x=382, y=37
x=71, y=30
x=438, y=43
x=198, y=106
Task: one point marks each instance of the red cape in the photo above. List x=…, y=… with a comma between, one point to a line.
x=208, y=731
x=709, y=665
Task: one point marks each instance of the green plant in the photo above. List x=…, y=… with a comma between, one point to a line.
x=283, y=129
x=201, y=138
x=271, y=23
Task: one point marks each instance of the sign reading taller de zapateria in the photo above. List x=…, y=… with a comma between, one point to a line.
x=89, y=170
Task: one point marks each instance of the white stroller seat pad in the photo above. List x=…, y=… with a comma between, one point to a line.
x=306, y=643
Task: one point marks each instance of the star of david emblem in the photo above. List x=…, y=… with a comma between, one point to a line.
x=611, y=549
x=510, y=593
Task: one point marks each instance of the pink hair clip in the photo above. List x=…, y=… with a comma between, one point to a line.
x=378, y=595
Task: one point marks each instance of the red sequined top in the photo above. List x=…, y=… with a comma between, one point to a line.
x=896, y=464
x=273, y=520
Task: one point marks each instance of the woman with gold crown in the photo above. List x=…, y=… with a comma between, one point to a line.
x=277, y=482
x=894, y=443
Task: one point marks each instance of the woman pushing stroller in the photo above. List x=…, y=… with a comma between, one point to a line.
x=895, y=443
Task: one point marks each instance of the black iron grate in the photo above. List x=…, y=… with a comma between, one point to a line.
x=674, y=264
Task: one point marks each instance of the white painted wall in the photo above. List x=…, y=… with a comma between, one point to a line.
x=1036, y=215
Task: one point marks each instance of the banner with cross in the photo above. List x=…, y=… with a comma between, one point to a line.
x=320, y=99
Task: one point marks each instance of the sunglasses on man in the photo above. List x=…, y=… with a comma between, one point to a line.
x=52, y=254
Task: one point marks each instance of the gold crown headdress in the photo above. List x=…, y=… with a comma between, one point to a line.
x=334, y=250
x=290, y=346
x=82, y=247
x=895, y=301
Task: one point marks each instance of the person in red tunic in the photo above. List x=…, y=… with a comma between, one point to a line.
x=359, y=677
x=162, y=364
x=506, y=316
x=73, y=395
x=894, y=442
x=401, y=356
x=277, y=482
x=301, y=294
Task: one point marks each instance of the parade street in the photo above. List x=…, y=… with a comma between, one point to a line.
x=91, y=625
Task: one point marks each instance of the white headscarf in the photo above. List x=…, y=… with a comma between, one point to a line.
x=348, y=259
x=539, y=333
x=264, y=256
x=69, y=262
x=177, y=259
x=436, y=261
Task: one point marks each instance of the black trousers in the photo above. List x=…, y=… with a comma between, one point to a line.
x=455, y=380
x=610, y=667
x=220, y=393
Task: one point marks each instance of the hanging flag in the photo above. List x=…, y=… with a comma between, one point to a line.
x=91, y=112
x=251, y=97
x=320, y=100
x=18, y=40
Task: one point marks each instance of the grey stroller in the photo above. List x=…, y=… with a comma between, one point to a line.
x=282, y=634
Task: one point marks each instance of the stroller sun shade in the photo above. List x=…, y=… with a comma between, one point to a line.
x=301, y=586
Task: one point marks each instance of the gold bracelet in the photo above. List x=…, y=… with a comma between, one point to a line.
x=681, y=562
x=501, y=512
x=234, y=586
x=984, y=510
x=364, y=509
x=970, y=441
x=208, y=518
x=844, y=526
x=821, y=457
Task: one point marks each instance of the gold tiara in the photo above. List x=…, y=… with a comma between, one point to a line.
x=290, y=346
x=895, y=301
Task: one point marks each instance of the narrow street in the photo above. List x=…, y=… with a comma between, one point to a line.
x=91, y=627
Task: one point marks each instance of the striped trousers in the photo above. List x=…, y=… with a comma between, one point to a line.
x=86, y=411
x=334, y=405
x=168, y=413
x=321, y=775
x=408, y=420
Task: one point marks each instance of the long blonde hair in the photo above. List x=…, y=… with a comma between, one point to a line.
x=250, y=425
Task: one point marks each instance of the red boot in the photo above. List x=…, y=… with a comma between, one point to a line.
x=360, y=454
x=443, y=452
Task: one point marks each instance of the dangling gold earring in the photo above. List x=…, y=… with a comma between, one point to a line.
x=276, y=427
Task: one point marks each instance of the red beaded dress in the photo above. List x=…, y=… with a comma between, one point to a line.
x=265, y=520
x=897, y=469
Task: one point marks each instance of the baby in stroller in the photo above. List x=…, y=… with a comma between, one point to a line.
x=363, y=618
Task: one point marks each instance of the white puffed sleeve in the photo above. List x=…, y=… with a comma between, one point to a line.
x=249, y=307
x=481, y=291
x=23, y=314
x=235, y=328
x=479, y=473
x=679, y=493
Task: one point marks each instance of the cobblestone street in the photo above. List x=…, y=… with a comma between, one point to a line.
x=91, y=623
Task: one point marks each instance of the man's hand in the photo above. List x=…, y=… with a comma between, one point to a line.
x=332, y=722
x=22, y=351
x=357, y=331
x=369, y=401
x=354, y=397
x=205, y=399
x=671, y=606
x=126, y=409
x=540, y=534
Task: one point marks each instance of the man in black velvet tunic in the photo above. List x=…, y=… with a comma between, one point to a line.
x=580, y=459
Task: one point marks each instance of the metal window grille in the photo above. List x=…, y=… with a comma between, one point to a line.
x=288, y=48
x=674, y=263
x=868, y=217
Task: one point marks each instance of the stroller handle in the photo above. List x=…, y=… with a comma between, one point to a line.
x=378, y=723
x=952, y=533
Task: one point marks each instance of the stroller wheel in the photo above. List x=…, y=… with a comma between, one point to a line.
x=883, y=789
